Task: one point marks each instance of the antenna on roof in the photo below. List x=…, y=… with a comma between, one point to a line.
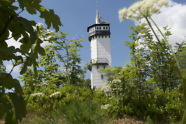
x=97, y=4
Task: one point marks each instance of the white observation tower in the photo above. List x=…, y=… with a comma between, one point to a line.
x=99, y=37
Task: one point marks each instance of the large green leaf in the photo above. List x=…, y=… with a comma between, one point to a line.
x=11, y=103
x=19, y=106
x=51, y=18
x=28, y=28
x=7, y=53
x=24, y=67
x=8, y=82
x=26, y=44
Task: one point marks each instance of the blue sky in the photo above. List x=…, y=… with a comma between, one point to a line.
x=77, y=15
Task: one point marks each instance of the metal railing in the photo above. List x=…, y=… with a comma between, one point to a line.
x=100, y=61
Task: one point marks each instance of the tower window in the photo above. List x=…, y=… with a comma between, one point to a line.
x=102, y=77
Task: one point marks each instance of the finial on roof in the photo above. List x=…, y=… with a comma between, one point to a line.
x=98, y=18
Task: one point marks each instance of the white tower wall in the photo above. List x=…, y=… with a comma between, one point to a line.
x=96, y=80
x=101, y=53
x=100, y=48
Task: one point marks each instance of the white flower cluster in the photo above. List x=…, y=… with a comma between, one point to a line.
x=105, y=106
x=105, y=87
x=116, y=81
x=37, y=95
x=55, y=94
x=142, y=9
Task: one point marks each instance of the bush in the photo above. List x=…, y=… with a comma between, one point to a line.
x=45, y=104
x=156, y=104
x=82, y=112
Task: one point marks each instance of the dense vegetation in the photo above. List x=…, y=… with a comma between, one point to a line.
x=150, y=87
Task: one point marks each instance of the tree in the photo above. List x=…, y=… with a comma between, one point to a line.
x=60, y=53
x=67, y=52
x=21, y=30
x=144, y=10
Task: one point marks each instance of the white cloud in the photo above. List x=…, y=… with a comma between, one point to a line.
x=173, y=16
x=12, y=42
x=16, y=44
x=45, y=43
x=16, y=70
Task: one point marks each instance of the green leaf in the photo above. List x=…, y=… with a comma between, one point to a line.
x=41, y=50
x=32, y=5
x=51, y=18
x=2, y=108
x=28, y=28
x=35, y=69
x=26, y=44
x=4, y=36
x=7, y=53
x=12, y=1
x=8, y=82
x=9, y=118
x=24, y=67
x=21, y=5
x=19, y=106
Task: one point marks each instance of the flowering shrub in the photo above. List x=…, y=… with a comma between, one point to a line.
x=105, y=106
x=46, y=104
x=37, y=95
x=55, y=94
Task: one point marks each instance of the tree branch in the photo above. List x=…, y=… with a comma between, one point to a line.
x=11, y=69
x=8, y=22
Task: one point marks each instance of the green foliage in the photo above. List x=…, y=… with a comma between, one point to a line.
x=12, y=104
x=59, y=52
x=83, y=112
x=21, y=30
x=19, y=26
x=165, y=64
x=148, y=86
x=54, y=105
x=67, y=82
x=112, y=73
x=2, y=68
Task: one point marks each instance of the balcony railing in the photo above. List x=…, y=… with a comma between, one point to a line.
x=100, y=61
